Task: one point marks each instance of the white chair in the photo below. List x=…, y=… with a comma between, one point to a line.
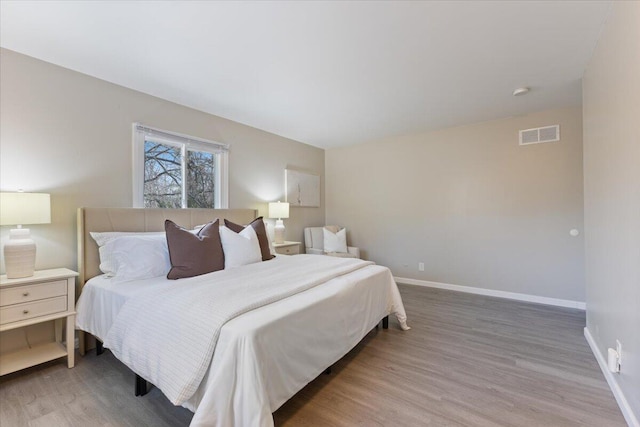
x=314, y=244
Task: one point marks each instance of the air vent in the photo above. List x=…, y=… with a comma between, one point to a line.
x=539, y=135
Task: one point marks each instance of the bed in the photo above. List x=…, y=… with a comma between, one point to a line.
x=264, y=355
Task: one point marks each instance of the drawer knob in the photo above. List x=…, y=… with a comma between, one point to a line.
x=25, y=294
x=25, y=311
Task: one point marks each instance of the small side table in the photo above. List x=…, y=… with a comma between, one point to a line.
x=287, y=248
x=45, y=296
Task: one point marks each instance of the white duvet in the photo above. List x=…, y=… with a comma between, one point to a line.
x=264, y=356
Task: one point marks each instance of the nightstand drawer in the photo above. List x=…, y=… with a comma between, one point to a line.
x=289, y=250
x=35, y=292
x=30, y=310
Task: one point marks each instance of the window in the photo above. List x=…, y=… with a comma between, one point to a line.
x=171, y=170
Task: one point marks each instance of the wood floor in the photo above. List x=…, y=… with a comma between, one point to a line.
x=469, y=360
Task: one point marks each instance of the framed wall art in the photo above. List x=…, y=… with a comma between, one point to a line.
x=302, y=189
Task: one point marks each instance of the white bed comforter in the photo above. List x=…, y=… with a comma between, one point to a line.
x=178, y=326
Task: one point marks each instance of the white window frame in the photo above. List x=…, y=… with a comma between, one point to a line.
x=185, y=143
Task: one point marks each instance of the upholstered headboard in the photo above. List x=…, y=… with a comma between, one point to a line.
x=139, y=219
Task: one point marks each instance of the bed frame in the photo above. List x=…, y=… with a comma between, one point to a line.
x=136, y=220
x=141, y=220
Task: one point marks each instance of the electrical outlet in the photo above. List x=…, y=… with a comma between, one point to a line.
x=421, y=266
x=619, y=351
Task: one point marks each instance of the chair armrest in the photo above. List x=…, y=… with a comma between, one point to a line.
x=313, y=251
x=353, y=250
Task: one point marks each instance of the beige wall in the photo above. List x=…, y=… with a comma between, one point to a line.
x=69, y=134
x=611, y=96
x=478, y=209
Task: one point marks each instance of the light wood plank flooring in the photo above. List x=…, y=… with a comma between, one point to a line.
x=468, y=361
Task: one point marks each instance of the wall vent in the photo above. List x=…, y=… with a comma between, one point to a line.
x=539, y=135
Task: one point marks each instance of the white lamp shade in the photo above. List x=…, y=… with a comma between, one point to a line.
x=278, y=210
x=25, y=208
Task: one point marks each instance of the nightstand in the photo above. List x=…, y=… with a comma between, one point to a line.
x=45, y=296
x=287, y=248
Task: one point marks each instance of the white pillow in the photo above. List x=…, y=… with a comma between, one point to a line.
x=240, y=248
x=335, y=242
x=135, y=256
x=103, y=238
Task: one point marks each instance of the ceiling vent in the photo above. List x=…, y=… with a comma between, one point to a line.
x=539, y=135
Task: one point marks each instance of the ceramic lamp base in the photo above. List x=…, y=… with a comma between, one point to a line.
x=278, y=235
x=20, y=254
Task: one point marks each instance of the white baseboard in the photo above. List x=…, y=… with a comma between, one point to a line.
x=623, y=403
x=494, y=293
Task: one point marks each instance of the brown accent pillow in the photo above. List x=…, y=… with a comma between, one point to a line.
x=261, y=232
x=194, y=254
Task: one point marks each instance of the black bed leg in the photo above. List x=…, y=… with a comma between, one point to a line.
x=99, y=347
x=141, y=386
x=327, y=371
x=385, y=322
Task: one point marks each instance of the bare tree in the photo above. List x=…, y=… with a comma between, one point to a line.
x=200, y=179
x=163, y=184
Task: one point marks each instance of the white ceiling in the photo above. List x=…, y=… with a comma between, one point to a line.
x=324, y=73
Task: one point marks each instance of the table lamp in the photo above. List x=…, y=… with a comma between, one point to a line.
x=279, y=210
x=20, y=249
